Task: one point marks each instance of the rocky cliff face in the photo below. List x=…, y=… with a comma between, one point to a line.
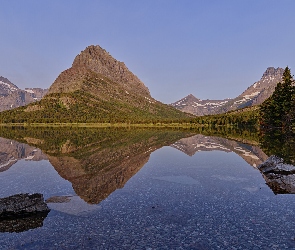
x=254, y=95
x=12, y=97
x=97, y=60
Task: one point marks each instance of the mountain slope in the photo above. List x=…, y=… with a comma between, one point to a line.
x=11, y=96
x=254, y=95
x=97, y=88
x=193, y=105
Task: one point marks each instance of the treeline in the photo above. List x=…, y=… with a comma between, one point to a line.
x=240, y=118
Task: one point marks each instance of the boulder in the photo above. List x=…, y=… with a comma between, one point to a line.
x=280, y=177
x=22, y=205
x=276, y=165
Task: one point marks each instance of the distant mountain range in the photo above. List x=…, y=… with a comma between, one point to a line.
x=254, y=95
x=97, y=88
x=12, y=97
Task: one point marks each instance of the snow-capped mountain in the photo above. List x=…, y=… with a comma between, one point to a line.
x=193, y=105
x=11, y=96
x=6, y=87
x=254, y=95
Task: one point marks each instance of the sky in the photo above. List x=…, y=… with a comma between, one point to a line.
x=213, y=49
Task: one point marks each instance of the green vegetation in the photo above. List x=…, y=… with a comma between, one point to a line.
x=101, y=103
x=83, y=107
x=239, y=118
x=278, y=110
x=79, y=142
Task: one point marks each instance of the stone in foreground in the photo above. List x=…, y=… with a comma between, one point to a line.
x=22, y=205
x=280, y=177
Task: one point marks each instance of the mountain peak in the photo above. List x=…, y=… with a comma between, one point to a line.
x=95, y=60
x=191, y=96
x=253, y=95
x=272, y=71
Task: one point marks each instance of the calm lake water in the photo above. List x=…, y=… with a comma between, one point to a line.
x=142, y=189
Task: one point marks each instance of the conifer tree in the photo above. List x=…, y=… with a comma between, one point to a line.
x=277, y=110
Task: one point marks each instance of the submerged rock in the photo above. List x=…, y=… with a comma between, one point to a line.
x=22, y=205
x=280, y=177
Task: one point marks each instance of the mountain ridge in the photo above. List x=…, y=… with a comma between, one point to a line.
x=255, y=94
x=12, y=97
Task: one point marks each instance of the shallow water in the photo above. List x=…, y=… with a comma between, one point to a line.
x=201, y=192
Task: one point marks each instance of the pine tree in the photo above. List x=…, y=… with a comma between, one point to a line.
x=277, y=110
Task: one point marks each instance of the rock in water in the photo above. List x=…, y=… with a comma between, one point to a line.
x=280, y=177
x=22, y=205
x=276, y=165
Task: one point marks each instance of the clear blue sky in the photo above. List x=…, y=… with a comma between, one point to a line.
x=212, y=49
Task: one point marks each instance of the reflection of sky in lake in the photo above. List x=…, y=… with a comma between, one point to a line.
x=211, y=200
x=33, y=177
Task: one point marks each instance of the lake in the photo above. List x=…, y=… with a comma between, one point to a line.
x=144, y=189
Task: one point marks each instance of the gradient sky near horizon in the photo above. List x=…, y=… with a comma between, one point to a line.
x=213, y=49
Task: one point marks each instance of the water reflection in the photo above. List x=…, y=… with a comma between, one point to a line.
x=18, y=225
x=96, y=161
x=250, y=153
x=211, y=200
x=99, y=161
x=12, y=151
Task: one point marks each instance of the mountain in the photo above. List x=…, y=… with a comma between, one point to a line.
x=12, y=97
x=193, y=105
x=254, y=95
x=97, y=88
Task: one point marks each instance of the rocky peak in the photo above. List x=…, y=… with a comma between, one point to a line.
x=271, y=71
x=98, y=60
x=191, y=97
x=6, y=87
x=255, y=94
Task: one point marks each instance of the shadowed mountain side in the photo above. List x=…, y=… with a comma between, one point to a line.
x=97, y=161
x=251, y=154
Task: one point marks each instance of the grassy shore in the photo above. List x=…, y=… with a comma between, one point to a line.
x=105, y=125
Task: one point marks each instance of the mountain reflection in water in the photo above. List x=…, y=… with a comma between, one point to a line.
x=99, y=161
x=95, y=161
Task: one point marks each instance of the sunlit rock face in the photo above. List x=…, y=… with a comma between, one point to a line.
x=96, y=59
x=280, y=177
